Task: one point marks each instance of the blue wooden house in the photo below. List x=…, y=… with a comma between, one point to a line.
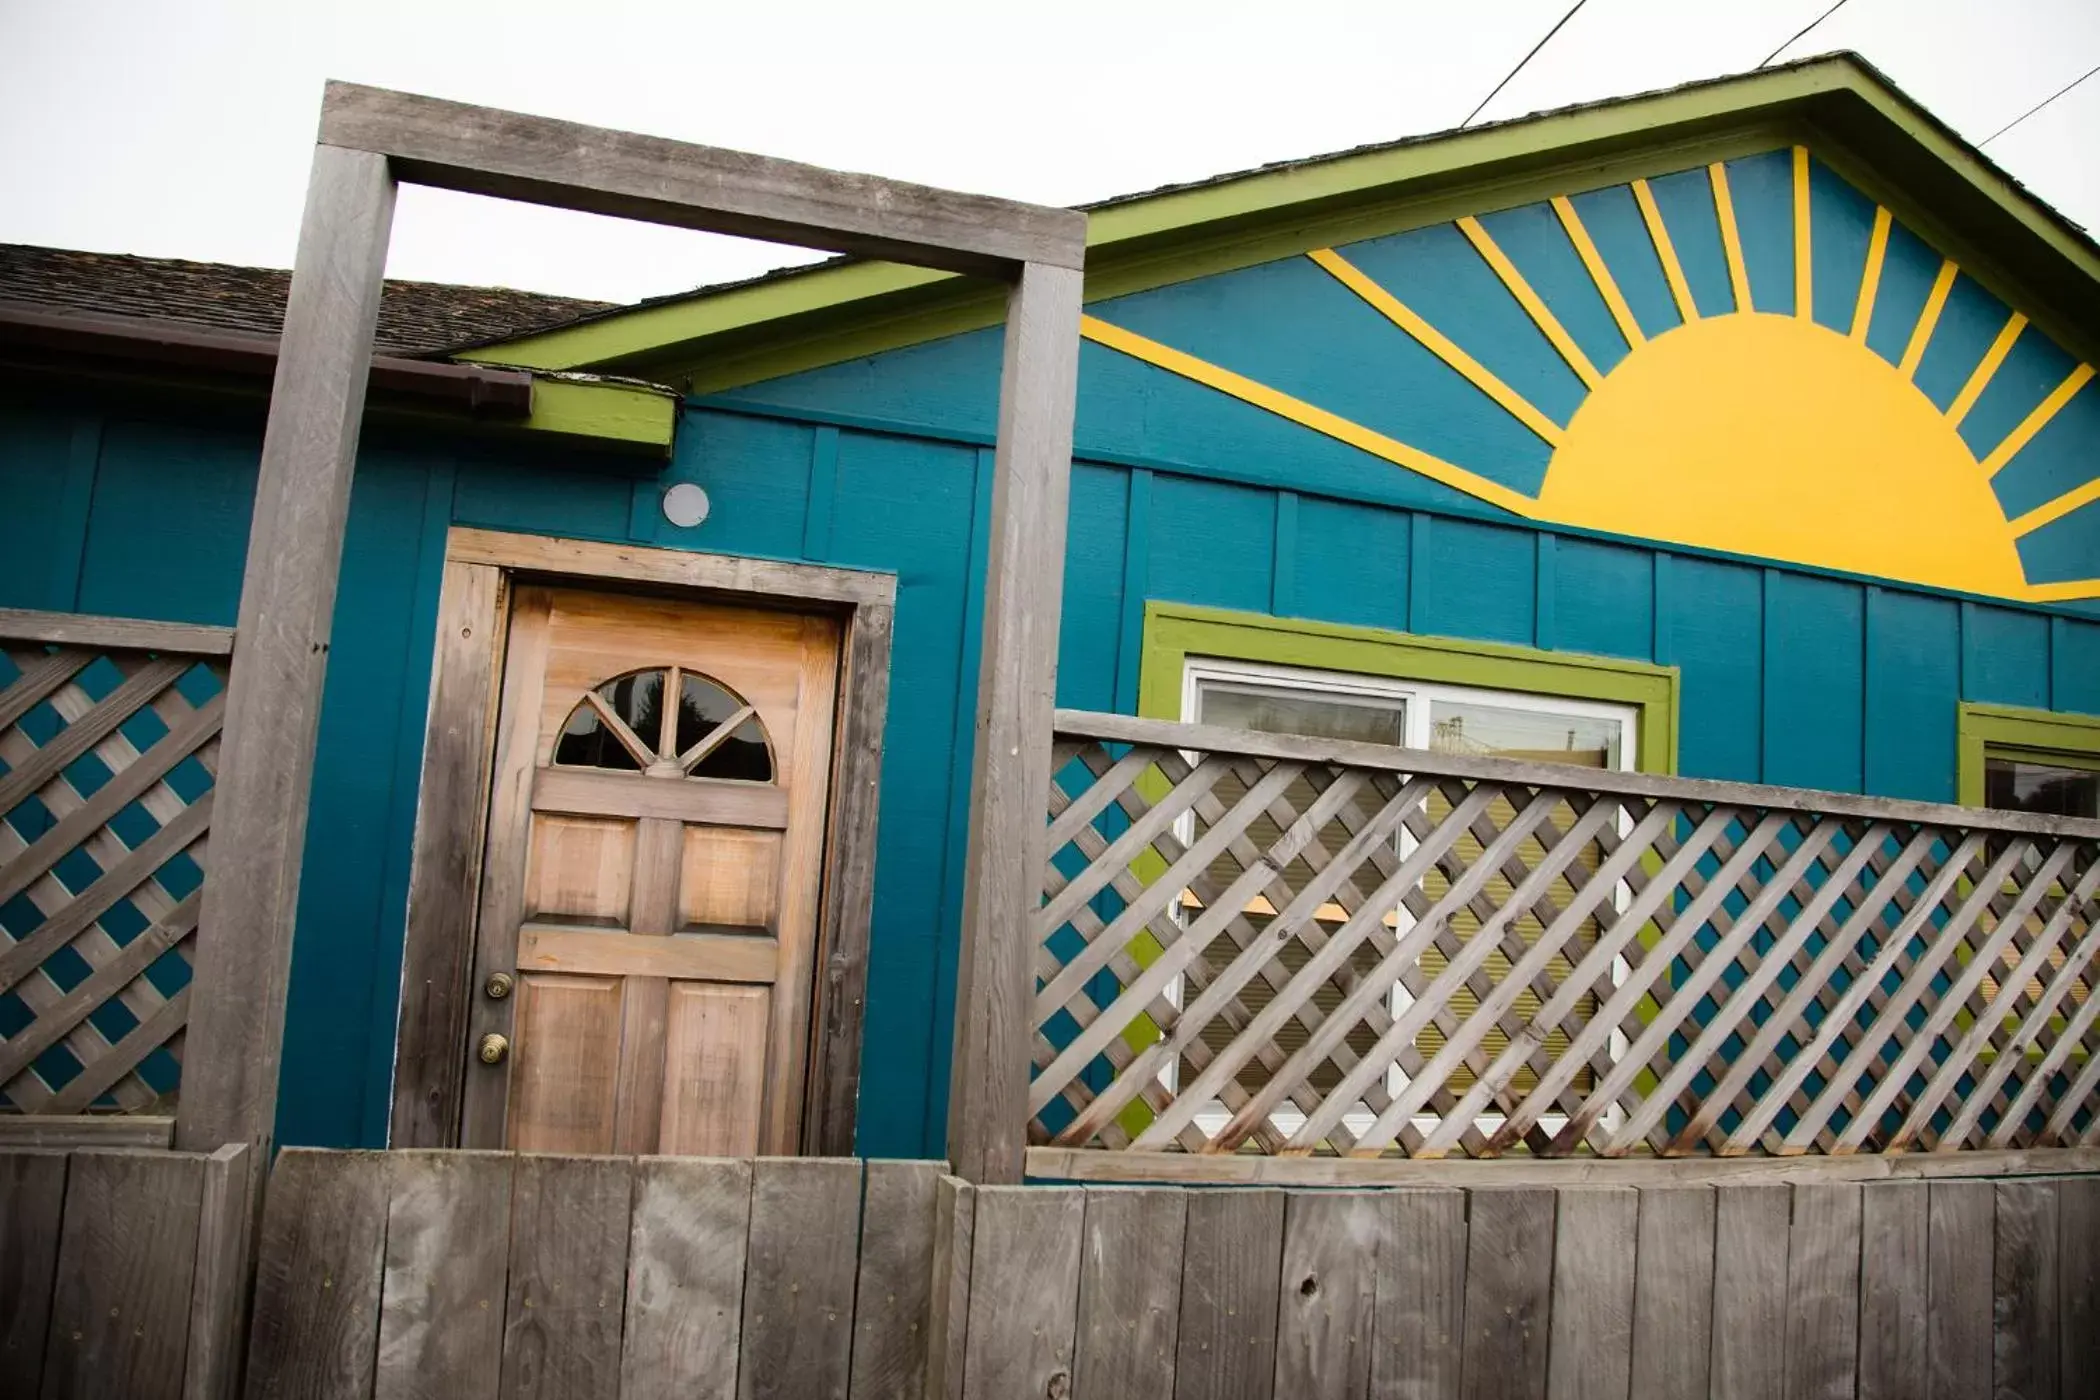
x=1742, y=432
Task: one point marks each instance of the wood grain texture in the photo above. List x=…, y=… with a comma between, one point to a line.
x=1327, y=1302
x=1673, y=1294
x=1024, y=1292
x=1751, y=1225
x=685, y=1279
x=26, y=1132
x=114, y=633
x=318, y=1271
x=1822, y=1293
x=892, y=1297
x=799, y=1277
x=447, y=1256
x=32, y=1202
x=228, y=1199
x=830, y=1112
x=703, y=572
x=1960, y=1230
x=1509, y=1282
x=2025, y=1348
x=430, y=1053
x=2078, y=1286
x=243, y=952
x=1894, y=1296
x=1130, y=1266
x=120, y=1297
x=568, y=1277
x=1591, y=1332
x=1420, y=1317
x=1016, y=688
x=954, y=1245
x=1230, y=1282
x=512, y=156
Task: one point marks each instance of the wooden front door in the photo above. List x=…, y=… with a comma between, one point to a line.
x=648, y=907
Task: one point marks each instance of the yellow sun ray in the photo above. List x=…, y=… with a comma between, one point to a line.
x=1599, y=273
x=1666, y=251
x=2034, y=422
x=1437, y=343
x=1731, y=236
x=2070, y=590
x=1804, y=270
x=1527, y=297
x=1921, y=334
x=1306, y=415
x=1980, y=377
x=2057, y=509
x=1870, y=278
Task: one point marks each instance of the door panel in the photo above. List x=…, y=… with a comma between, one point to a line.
x=655, y=836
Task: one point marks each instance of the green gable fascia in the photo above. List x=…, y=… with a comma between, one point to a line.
x=1852, y=118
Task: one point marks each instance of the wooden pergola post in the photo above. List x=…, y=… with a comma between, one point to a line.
x=369, y=139
x=1016, y=693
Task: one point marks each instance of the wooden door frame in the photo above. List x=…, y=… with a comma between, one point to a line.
x=430, y=1050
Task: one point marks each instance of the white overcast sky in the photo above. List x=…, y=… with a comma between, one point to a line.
x=183, y=129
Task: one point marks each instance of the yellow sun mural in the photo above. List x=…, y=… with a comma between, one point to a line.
x=1740, y=430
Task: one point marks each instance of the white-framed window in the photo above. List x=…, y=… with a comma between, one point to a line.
x=1413, y=714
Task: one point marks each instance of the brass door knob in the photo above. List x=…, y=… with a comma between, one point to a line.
x=494, y=1047
x=499, y=985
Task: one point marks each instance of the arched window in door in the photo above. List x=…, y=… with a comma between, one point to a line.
x=625, y=725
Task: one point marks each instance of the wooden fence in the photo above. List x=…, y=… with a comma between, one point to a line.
x=109, y=734
x=1264, y=944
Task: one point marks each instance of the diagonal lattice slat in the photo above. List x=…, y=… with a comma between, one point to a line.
x=108, y=746
x=1260, y=943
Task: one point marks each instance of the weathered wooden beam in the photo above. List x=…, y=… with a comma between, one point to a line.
x=512, y=156
x=1016, y=689
x=295, y=545
x=118, y=633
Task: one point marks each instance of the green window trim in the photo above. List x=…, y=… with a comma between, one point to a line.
x=1982, y=730
x=1174, y=632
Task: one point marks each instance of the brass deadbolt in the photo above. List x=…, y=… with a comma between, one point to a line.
x=494, y=1047
x=498, y=986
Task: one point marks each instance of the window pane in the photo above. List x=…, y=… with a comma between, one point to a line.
x=1509, y=731
x=1318, y=716
x=2016, y=785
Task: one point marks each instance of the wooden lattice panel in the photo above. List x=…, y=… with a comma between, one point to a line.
x=1256, y=943
x=108, y=743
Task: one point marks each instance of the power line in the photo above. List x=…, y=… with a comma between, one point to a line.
x=1526, y=59
x=1804, y=33
x=2038, y=106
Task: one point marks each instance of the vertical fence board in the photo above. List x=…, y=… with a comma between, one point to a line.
x=1591, y=1332
x=1229, y=1280
x=447, y=1256
x=798, y=1278
x=219, y=1291
x=1893, y=1294
x=2023, y=1292
x=2078, y=1285
x=1509, y=1281
x=890, y=1335
x=1750, y=1246
x=32, y=1197
x=685, y=1279
x=1673, y=1294
x=1129, y=1291
x=315, y=1329
x=568, y=1275
x=1959, y=1231
x=1328, y=1294
x=954, y=1230
x=120, y=1298
x=1822, y=1292
x=1421, y=1297
x=1024, y=1292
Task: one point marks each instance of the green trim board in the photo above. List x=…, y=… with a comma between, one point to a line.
x=1176, y=631
x=1981, y=730
x=1853, y=117
x=609, y=412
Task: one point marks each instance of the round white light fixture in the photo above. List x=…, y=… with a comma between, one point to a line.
x=685, y=505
